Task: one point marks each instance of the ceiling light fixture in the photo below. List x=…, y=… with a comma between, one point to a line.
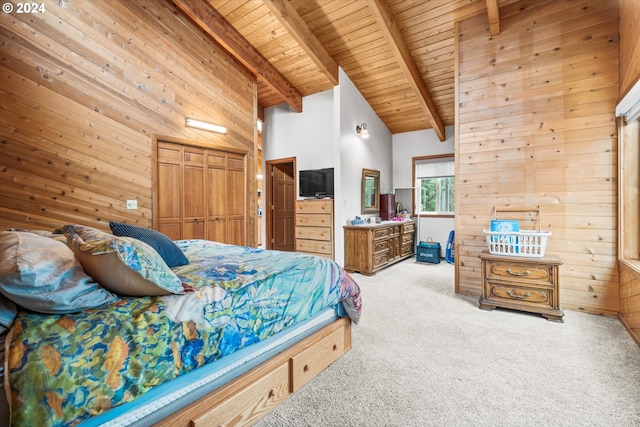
x=362, y=131
x=198, y=124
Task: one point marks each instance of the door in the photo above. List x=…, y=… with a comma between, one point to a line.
x=282, y=197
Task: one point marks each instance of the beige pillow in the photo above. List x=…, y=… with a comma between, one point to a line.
x=124, y=265
x=110, y=272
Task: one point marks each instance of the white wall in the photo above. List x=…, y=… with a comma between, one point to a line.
x=323, y=135
x=308, y=136
x=415, y=144
x=357, y=154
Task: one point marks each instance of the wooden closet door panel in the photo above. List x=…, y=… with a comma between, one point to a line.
x=169, y=206
x=236, y=191
x=217, y=230
x=216, y=193
x=193, y=193
x=235, y=231
x=169, y=184
x=236, y=199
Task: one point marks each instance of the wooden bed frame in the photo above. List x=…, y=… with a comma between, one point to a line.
x=253, y=395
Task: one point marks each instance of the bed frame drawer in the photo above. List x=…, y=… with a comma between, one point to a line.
x=260, y=390
x=249, y=405
x=313, y=360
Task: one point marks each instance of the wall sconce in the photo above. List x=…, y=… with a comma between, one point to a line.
x=193, y=123
x=362, y=131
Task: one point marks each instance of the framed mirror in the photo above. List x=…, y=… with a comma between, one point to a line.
x=370, y=191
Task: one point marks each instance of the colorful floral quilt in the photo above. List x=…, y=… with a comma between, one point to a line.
x=66, y=368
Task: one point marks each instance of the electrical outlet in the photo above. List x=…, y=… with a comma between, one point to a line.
x=132, y=204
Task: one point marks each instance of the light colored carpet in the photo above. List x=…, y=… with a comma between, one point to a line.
x=425, y=356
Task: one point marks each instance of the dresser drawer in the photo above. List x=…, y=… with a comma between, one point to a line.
x=520, y=294
x=519, y=272
x=315, y=246
x=379, y=246
x=380, y=259
x=407, y=238
x=406, y=249
x=313, y=233
x=315, y=220
x=408, y=228
x=313, y=360
x=380, y=233
x=315, y=206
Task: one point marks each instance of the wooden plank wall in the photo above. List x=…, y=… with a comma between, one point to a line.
x=535, y=126
x=629, y=44
x=629, y=74
x=86, y=88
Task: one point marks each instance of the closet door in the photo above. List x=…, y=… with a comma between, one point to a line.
x=201, y=193
x=216, y=187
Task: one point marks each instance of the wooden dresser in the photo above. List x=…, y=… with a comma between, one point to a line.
x=314, y=227
x=519, y=283
x=368, y=248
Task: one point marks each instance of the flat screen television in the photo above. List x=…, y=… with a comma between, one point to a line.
x=317, y=183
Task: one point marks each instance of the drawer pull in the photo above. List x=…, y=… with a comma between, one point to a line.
x=306, y=368
x=515, y=273
x=335, y=347
x=518, y=296
x=272, y=393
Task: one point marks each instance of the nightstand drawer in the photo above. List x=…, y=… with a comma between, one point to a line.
x=516, y=271
x=520, y=294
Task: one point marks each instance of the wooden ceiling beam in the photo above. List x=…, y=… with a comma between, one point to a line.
x=494, y=17
x=216, y=26
x=300, y=31
x=388, y=26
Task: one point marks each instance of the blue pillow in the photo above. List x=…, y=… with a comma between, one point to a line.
x=170, y=253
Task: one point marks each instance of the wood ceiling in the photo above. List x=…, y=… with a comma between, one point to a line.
x=398, y=53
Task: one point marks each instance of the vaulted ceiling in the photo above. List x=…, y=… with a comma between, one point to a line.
x=398, y=53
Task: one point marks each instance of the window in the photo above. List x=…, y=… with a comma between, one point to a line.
x=435, y=185
x=436, y=194
x=628, y=113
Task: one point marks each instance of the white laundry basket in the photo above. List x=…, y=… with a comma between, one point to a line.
x=522, y=243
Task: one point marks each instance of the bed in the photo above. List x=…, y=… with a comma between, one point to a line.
x=111, y=329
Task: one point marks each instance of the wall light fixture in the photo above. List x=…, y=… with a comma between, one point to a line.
x=198, y=124
x=362, y=131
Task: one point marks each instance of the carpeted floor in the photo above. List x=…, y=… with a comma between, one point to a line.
x=425, y=356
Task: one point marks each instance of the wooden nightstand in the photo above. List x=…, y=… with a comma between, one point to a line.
x=519, y=283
